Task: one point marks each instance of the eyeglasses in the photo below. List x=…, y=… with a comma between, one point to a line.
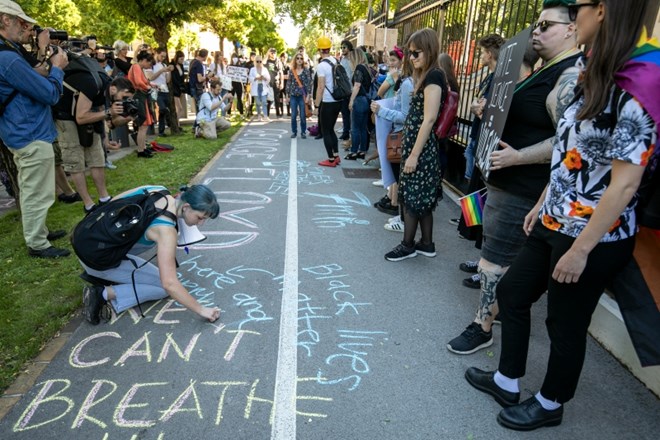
x=545, y=24
x=415, y=53
x=344, y=47
x=575, y=8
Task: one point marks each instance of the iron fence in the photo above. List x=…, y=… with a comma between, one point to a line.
x=460, y=24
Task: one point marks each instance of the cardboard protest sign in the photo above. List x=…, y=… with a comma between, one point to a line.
x=504, y=82
x=239, y=74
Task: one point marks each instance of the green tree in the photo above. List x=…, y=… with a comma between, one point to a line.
x=63, y=14
x=160, y=14
x=107, y=24
x=234, y=20
x=328, y=14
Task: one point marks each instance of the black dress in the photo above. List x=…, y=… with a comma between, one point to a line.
x=419, y=190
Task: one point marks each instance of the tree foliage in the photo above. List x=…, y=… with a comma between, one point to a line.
x=327, y=14
x=160, y=14
x=82, y=17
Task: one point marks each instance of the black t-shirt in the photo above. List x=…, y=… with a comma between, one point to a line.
x=274, y=68
x=527, y=124
x=362, y=75
x=84, y=82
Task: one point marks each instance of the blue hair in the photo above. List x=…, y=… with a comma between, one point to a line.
x=201, y=198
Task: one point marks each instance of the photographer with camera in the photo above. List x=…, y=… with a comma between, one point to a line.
x=26, y=123
x=79, y=118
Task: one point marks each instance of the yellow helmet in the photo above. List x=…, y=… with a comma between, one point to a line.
x=323, y=42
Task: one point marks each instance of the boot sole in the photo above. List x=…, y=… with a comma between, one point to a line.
x=550, y=422
x=503, y=403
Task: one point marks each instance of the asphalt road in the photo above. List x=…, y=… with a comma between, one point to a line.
x=319, y=336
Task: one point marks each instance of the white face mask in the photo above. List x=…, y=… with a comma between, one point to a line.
x=234, y=60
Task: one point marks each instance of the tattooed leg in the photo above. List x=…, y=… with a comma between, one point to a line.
x=490, y=274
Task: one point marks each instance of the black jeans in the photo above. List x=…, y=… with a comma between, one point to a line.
x=328, y=115
x=237, y=88
x=163, y=102
x=570, y=306
x=346, y=118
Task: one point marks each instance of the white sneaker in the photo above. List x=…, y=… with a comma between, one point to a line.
x=267, y=119
x=260, y=118
x=395, y=219
x=378, y=182
x=394, y=226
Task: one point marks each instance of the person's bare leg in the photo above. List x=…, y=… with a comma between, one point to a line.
x=141, y=138
x=98, y=176
x=61, y=182
x=490, y=274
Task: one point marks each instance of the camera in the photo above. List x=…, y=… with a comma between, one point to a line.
x=54, y=34
x=130, y=107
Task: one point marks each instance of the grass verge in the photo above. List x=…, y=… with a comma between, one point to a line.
x=38, y=297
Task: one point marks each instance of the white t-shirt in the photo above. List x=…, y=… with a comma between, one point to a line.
x=161, y=80
x=324, y=70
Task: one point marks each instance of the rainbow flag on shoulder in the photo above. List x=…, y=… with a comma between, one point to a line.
x=472, y=206
x=640, y=75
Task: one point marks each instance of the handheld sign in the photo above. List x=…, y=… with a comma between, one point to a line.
x=504, y=82
x=238, y=74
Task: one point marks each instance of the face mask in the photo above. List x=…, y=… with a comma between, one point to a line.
x=234, y=60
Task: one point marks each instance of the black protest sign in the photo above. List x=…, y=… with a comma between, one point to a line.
x=504, y=82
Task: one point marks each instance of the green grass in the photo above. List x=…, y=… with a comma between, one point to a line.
x=38, y=297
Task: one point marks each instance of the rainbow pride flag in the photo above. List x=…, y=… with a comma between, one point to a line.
x=640, y=76
x=472, y=206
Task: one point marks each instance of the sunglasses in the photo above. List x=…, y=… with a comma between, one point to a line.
x=545, y=24
x=258, y=62
x=344, y=47
x=415, y=53
x=299, y=58
x=575, y=8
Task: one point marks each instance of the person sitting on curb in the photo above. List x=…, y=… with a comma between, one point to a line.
x=211, y=108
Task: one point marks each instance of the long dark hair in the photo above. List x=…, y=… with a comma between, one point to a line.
x=427, y=41
x=615, y=40
x=447, y=65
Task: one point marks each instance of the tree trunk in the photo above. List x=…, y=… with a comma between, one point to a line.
x=7, y=164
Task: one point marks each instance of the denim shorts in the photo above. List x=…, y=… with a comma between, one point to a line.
x=504, y=215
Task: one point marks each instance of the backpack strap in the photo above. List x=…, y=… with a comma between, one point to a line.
x=325, y=60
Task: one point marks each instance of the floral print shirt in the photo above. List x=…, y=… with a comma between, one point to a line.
x=582, y=158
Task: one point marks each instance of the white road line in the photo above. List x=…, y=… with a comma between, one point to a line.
x=284, y=420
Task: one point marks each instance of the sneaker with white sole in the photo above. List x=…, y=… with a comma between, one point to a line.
x=469, y=266
x=394, y=226
x=377, y=182
x=396, y=218
x=454, y=221
x=473, y=339
x=401, y=252
x=428, y=249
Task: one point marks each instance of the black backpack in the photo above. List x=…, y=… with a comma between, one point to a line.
x=341, y=85
x=103, y=238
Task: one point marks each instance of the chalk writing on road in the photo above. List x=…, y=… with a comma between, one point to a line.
x=341, y=212
x=347, y=364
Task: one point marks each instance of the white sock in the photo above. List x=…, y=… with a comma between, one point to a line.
x=89, y=207
x=104, y=199
x=549, y=405
x=506, y=383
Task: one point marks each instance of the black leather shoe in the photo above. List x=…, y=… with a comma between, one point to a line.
x=529, y=415
x=484, y=381
x=50, y=252
x=56, y=235
x=318, y=136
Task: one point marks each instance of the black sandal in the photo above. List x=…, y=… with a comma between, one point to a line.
x=351, y=156
x=361, y=155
